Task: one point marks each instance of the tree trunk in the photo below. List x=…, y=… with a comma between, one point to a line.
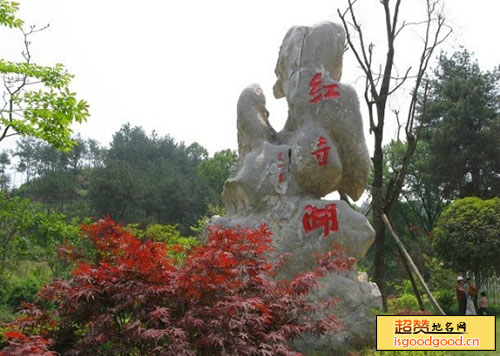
x=378, y=222
x=413, y=267
x=475, y=189
x=380, y=85
x=477, y=277
x=412, y=280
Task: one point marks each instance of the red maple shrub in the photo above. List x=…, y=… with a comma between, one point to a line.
x=22, y=345
x=222, y=300
x=26, y=336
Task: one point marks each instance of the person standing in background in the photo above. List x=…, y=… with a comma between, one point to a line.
x=470, y=293
x=483, y=304
x=461, y=295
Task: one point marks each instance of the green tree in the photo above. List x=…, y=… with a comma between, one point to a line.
x=16, y=217
x=8, y=14
x=27, y=233
x=462, y=126
x=467, y=236
x=422, y=190
x=47, y=234
x=4, y=176
x=409, y=216
x=214, y=171
x=26, y=151
x=58, y=180
x=422, y=195
x=29, y=248
x=382, y=81
x=95, y=153
x=149, y=179
x=37, y=99
x=177, y=245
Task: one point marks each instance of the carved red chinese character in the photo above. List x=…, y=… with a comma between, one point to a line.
x=332, y=91
x=281, y=165
x=315, y=218
x=319, y=91
x=316, y=92
x=321, y=153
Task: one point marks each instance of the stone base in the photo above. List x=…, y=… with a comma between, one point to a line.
x=354, y=310
x=356, y=296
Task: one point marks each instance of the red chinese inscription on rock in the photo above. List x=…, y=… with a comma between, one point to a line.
x=321, y=153
x=281, y=165
x=319, y=91
x=315, y=218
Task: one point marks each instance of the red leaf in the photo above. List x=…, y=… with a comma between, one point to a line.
x=15, y=335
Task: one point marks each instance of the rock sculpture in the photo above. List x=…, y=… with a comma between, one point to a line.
x=283, y=175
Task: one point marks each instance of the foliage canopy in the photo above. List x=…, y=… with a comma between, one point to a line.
x=462, y=126
x=467, y=235
x=37, y=100
x=132, y=299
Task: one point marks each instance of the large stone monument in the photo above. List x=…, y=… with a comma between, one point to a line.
x=283, y=175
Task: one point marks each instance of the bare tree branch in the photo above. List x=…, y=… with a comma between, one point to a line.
x=365, y=63
x=16, y=84
x=378, y=88
x=396, y=113
x=400, y=84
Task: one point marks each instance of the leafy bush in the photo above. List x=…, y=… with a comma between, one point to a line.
x=168, y=234
x=22, y=290
x=22, y=345
x=6, y=315
x=406, y=304
x=466, y=235
x=32, y=321
x=440, y=277
x=403, y=287
x=135, y=299
x=447, y=300
x=405, y=301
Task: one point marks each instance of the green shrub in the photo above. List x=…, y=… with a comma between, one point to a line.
x=403, y=287
x=22, y=289
x=168, y=234
x=6, y=316
x=446, y=300
x=405, y=301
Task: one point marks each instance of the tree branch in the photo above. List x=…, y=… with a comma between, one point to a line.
x=396, y=183
x=364, y=62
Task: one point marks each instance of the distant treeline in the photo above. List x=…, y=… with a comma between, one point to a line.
x=140, y=178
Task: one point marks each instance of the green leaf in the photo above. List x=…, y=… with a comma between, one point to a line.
x=7, y=14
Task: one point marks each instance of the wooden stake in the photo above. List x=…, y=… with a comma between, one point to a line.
x=414, y=268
